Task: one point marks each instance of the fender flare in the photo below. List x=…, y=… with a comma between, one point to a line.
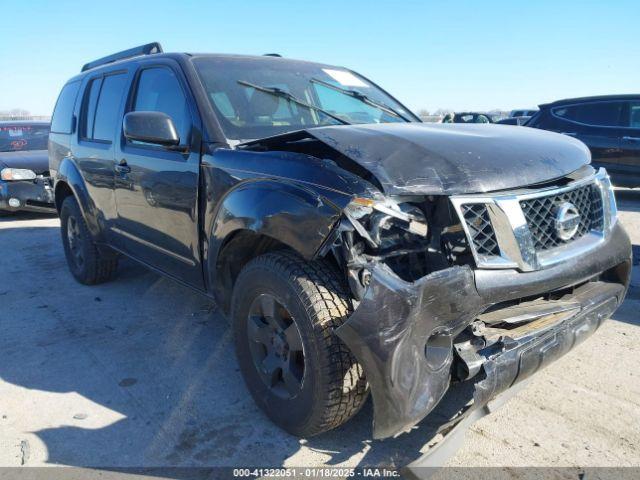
x=69, y=175
x=299, y=216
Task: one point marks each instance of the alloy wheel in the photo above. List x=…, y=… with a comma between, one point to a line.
x=75, y=241
x=276, y=346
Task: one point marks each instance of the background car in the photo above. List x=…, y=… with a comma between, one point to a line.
x=523, y=112
x=608, y=125
x=472, y=117
x=24, y=167
x=513, y=120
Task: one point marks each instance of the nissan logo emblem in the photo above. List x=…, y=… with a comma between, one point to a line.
x=567, y=221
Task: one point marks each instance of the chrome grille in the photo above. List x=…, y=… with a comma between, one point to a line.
x=482, y=235
x=518, y=229
x=540, y=214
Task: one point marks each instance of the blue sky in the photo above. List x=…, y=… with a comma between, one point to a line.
x=429, y=54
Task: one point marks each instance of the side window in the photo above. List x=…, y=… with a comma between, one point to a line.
x=634, y=115
x=606, y=114
x=106, y=120
x=63, y=112
x=159, y=91
x=89, y=108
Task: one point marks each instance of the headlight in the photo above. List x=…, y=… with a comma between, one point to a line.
x=10, y=174
x=383, y=213
x=611, y=209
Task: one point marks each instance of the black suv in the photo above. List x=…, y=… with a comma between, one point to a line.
x=355, y=248
x=609, y=125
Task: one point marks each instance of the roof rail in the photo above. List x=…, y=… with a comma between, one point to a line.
x=272, y=55
x=148, y=49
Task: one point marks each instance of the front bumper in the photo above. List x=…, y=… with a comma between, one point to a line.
x=33, y=196
x=403, y=333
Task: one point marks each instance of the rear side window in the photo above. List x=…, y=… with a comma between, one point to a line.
x=62, y=120
x=605, y=114
x=89, y=108
x=159, y=91
x=106, y=118
x=634, y=115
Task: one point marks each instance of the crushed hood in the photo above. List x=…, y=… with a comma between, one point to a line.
x=36, y=160
x=450, y=159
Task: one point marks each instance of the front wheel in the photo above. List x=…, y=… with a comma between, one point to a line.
x=298, y=371
x=88, y=265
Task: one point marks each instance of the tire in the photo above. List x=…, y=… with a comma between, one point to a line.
x=333, y=386
x=88, y=265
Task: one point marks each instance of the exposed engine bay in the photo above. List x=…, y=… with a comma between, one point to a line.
x=413, y=239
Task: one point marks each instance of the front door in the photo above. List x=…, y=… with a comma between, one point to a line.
x=157, y=187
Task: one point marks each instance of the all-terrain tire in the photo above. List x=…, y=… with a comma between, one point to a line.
x=87, y=263
x=334, y=387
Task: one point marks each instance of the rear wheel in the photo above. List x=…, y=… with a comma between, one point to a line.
x=298, y=371
x=87, y=263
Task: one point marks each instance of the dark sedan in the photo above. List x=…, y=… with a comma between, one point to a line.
x=472, y=117
x=24, y=167
x=521, y=120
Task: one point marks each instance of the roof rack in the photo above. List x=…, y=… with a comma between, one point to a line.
x=148, y=49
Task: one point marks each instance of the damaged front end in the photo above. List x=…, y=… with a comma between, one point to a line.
x=429, y=312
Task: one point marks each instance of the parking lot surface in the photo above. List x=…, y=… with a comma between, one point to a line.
x=141, y=372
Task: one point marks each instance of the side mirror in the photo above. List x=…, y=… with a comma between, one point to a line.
x=150, y=127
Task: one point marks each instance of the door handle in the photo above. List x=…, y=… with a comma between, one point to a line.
x=571, y=134
x=632, y=139
x=123, y=167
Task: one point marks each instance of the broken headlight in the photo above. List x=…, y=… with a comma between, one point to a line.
x=378, y=219
x=12, y=174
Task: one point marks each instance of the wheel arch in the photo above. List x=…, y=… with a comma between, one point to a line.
x=68, y=182
x=258, y=217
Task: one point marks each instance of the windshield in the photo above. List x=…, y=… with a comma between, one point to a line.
x=20, y=137
x=260, y=97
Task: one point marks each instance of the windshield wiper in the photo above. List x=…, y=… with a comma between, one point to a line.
x=363, y=98
x=277, y=92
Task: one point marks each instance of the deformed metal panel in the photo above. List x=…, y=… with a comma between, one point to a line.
x=390, y=331
x=402, y=332
x=450, y=159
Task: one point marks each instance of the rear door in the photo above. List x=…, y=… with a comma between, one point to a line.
x=101, y=106
x=156, y=188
